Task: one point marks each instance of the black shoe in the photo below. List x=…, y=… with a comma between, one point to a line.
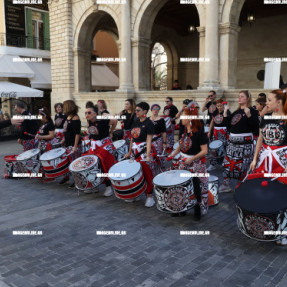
x=197, y=213
x=65, y=179
x=72, y=185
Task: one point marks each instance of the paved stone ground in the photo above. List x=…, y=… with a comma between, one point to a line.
x=69, y=253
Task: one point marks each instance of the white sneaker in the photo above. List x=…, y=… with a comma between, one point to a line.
x=211, y=167
x=224, y=188
x=282, y=242
x=149, y=202
x=108, y=191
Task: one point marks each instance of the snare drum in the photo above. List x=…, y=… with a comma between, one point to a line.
x=213, y=184
x=86, y=145
x=10, y=165
x=167, y=122
x=121, y=149
x=174, y=191
x=262, y=208
x=28, y=161
x=127, y=179
x=216, y=149
x=55, y=163
x=84, y=171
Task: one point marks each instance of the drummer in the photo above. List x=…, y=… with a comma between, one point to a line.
x=72, y=131
x=141, y=146
x=219, y=130
x=239, y=153
x=59, y=120
x=210, y=106
x=193, y=148
x=46, y=132
x=181, y=127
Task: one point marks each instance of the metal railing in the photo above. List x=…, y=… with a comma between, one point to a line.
x=22, y=41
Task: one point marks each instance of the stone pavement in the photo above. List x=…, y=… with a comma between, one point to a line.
x=152, y=253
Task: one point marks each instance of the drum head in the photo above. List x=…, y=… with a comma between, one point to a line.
x=28, y=154
x=118, y=144
x=172, y=178
x=83, y=163
x=128, y=168
x=216, y=144
x=252, y=196
x=52, y=154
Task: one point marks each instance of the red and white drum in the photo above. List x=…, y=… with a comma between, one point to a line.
x=55, y=163
x=213, y=184
x=28, y=161
x=121, y=149
x=174, y=191
x=84, y=171
x=86, y=145
x=10, y=165
x=127, y=179
x=216, y=149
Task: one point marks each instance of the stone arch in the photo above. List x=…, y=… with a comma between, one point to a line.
x=231, y=11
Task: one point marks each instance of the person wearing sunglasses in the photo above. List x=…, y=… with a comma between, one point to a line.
x=141, y=147
x=170, y=111
x=210, y=105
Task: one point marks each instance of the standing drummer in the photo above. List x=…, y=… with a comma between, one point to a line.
x=239, y=153
x=219, y=130
x=141, y=145
x=271, y=150
x=28, y=128
x=193, y=148
x=210, y=106
x=59, y=120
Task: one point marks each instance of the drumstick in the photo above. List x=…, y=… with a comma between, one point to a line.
x=275, y=178
x=25, y=133
x=246, y=175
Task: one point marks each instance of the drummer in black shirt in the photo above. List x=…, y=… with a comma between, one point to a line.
x=141, y=146
x=181, y=127
x=210, y=106
x=59, y=120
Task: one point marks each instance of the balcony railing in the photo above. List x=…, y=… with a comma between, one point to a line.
x=22, y=41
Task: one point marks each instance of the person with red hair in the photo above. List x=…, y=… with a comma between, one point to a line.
x=271, y=150
x=193, y=148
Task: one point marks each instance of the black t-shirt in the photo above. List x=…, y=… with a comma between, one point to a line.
x=60, y=120
x=46, y=128
x=211, y=108
x=71, y=129
x=140, y=130
x=128, y=121
x=190, y=144
x=219, y=120
x=274, y=132
x=29, y=126
x=99, y=129
x=170, y=111
x=239, y=123
x=159, y=126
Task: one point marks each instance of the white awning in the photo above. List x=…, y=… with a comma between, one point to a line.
x=103, y=77
x=11, y=90
x=42, y=78
x=13, y=67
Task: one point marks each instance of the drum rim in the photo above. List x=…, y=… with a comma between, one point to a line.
x=50, y=151
x=128, y=177
x=27, y=151
x=216, y=141
x=80, y=170
x=187, y=179
x=123, y=141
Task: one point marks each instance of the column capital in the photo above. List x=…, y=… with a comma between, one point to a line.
x=201, y=31
x=141, y=42
x=226, y=28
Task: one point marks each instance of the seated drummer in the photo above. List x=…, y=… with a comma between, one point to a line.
x=193, y=148
x=272, y=141
x=142, y=133
x=218, y=127
x=99, y=131
x=72, y=133
x=46, y=132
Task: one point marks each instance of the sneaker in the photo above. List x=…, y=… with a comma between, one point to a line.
x=224, y=188
x=282, y=242
x=211, y=167
x=108, y=191
x=63, y=180
x=149, y=202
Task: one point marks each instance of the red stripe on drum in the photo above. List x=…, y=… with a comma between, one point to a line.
x=50, y=167
x=133, y=195
x=126, y=187
x=57, y=174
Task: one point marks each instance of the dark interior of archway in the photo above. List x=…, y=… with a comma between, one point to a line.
x=178, y=17
x=260, y=10
x=106, y=23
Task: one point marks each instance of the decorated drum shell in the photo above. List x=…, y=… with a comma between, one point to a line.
x=85, y=172
x=174, y=191
x=10, y=165
x=121, y=149
x=216, y=149
x=131, y=182
x=28, y=161
x=213, y=184
x=55, y=163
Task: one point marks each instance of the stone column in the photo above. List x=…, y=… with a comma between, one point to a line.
x=211, y=47
x=125, y=67
x=228, y=54
x=201, y=31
